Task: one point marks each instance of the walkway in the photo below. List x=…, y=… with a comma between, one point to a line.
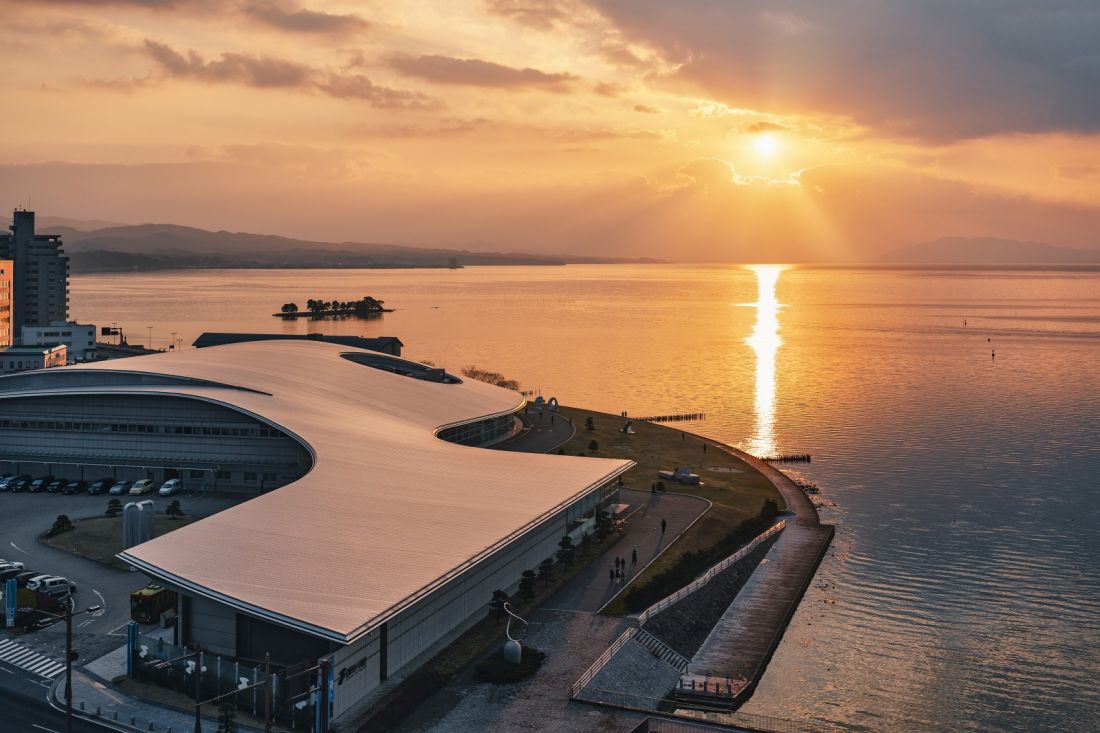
x=593, y=588
x=543, y=432
x=743, y=640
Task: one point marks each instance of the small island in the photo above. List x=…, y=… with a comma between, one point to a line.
x=366, y=307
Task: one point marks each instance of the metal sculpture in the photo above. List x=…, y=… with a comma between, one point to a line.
x=513, y=650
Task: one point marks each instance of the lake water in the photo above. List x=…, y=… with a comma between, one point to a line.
x=962, y=591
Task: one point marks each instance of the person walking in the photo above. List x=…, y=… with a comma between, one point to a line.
x=612, y=572
x=663, y=525
x=634, y=557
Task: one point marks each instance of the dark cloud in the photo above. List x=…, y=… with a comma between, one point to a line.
x=288, y=17
x=610, y=89
x=933, y=69
x=476, y=72
x=764, y=127
x=647, y=110
x=269, y=72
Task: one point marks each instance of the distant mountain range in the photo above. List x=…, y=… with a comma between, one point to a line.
x=989, y=251
x=170, y=246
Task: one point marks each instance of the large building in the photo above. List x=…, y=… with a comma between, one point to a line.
x=41, y=269
x=6, y=334
x=386, y=537
x=24, y=358
x=78, y=337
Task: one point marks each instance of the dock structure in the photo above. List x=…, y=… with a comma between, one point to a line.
x=744, y=639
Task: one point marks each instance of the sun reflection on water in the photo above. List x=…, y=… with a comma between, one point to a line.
x=765, y=342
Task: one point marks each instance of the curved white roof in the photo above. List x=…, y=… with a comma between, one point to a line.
x=388, y=511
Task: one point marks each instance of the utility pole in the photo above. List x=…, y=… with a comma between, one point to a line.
x=69, y=655
x=267, y=693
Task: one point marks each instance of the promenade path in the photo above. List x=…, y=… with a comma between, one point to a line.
x=593, y=587
x=743, y=641
x=543, y=432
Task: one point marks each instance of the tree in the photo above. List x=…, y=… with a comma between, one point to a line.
x=566, y=551
x=603, y=523
x=290, y=307
x=174, y=510
x=114, y=506
x=227, y=718
x=590, y=425
x=61, y=524
x=527, y=585
x=496, y=605
x=546, y=570
x=593, y=446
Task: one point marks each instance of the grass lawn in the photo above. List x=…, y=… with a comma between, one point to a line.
x=736, y=490
x=100, y=538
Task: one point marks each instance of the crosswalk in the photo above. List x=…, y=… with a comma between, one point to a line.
x=32, y=661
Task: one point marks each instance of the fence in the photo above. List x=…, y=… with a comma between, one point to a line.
x=694, y=721
x=601, y=662
x=175, y=667
x=709, y=574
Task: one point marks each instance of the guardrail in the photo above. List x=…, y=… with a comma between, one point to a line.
x=709, y=574
x=601, y=662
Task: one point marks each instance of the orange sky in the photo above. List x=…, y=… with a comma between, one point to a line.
x=692, y=130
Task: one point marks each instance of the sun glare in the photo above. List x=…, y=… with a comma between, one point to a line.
x=765, y=341
x=766, y=145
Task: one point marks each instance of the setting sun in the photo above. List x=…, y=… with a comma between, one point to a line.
x=766, y=145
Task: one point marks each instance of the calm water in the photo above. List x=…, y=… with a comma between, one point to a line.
x=962, y=591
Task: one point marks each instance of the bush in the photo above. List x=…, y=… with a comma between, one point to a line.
x=496, y=605
x=114, y=506
x=546, y=570
x=527, y=585
x=593, y=446
x=498, y=670
x=61, y=524
x=174, y=511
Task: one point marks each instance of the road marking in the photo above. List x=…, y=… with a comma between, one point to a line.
x=102, y=603
x=82, y=624
x=19, y=656
x=19, y=548
x=42, y=727
x=112, y=631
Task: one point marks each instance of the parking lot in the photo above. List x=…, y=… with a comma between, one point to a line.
x=24, y=517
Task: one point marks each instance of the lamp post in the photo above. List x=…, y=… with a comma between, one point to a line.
x=69, y=613
x=150, y=337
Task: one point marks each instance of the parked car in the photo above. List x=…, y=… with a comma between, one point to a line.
x=20, y=484
x=9, y=572
x=5, y=564
x=4, y=479
x=32, y=584
x=53, y=585
x=119, y=488
x=25, y=577
x=142, y=486
x=75, y=487
x=100, y=486
x=171, y=486
x=39, y=484
x=56, y=485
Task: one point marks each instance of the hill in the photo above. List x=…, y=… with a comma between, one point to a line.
x=989, y=251
x=171, y=246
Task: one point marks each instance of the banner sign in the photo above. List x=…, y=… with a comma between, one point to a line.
x=11, y=599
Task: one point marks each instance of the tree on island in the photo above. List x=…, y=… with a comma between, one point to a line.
x=290, y=307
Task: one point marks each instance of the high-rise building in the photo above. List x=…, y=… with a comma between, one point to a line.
x=41, y=274
x=5, y=303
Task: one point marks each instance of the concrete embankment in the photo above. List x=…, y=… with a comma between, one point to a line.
x=744, y=639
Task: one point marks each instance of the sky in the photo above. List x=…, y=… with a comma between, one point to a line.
x=696, y=130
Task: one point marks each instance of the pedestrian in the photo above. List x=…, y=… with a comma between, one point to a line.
x=663, y=525
x=683, y=436
x=704, y=449
x=612, y=571
x=634, y=557
x=551, y=418
x=653, y=488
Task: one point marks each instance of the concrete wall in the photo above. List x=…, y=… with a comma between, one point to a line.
x=213, y=625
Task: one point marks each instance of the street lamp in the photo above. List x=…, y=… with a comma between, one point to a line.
x=69, y=613
x=150, y=337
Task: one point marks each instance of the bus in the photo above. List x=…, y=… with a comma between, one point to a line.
x=147, y=604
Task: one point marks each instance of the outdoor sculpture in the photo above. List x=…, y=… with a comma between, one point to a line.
x=513, y=650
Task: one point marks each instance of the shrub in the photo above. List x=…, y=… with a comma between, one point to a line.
x=61, y=524
x=496, y=605
x=566, y=551
x=498, y=670
x=114, y=506
x=527, y=585
x=593, y=446
x=174, y=510
x=546, y=570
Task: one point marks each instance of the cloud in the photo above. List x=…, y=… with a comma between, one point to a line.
x=287, y=17
x=540, y=14
x=937, y=70
x=712, y=174
x=476, y=72
x=610, y=89
x=269, y=72
x=764, y=126
x=648, y=110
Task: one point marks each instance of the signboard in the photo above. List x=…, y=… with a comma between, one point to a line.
x=11, y=598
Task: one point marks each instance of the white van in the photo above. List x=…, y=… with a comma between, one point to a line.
x=144, y=486
x=171, y=486
x=52, y=584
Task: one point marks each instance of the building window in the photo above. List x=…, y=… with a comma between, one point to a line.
x=269, y=477
x=250, y=476
x=198, y=474
x=224, y=475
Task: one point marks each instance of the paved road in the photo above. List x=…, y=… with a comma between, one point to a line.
x=593, y=587
x=24, y=516
x=543, y=432
x=24, y=706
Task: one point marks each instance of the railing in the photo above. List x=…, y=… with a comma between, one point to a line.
x=683, y=721
x=709, y=574
x=601, y=662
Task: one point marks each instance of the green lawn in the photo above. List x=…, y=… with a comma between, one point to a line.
x=737, y=494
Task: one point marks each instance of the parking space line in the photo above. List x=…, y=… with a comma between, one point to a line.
x=19, y=548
